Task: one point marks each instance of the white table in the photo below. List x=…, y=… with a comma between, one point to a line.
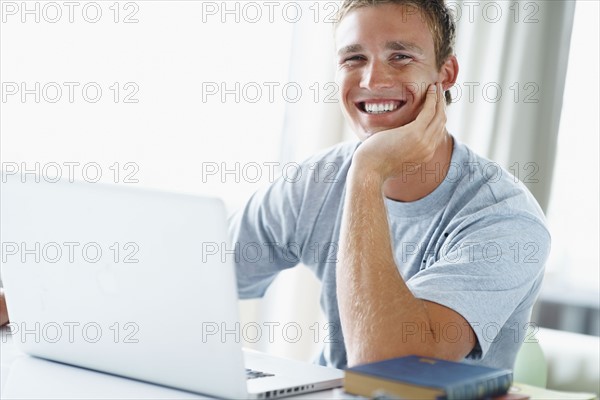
x=25, y=377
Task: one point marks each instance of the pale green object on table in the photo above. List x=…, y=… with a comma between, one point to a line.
x=530, y=366
x=536, y=393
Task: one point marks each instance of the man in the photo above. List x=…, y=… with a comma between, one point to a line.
x=419, y=249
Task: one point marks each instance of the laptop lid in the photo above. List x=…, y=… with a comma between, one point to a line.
x=117, y=279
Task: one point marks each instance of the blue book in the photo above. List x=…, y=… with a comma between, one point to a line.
x=415, y=377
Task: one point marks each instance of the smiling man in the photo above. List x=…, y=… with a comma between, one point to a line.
x=419, y=248
x=387, y=62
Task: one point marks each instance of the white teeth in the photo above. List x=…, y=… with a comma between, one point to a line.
x=380, y=108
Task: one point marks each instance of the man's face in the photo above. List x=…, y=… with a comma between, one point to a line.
x=386, y=61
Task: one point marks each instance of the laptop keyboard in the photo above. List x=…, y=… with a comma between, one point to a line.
x=252, y=374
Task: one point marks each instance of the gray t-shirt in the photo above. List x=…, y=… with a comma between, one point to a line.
x=477, y=244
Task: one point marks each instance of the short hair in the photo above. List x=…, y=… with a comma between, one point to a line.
x=437, y=15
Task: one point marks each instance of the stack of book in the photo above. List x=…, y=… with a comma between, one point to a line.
x=415, y=377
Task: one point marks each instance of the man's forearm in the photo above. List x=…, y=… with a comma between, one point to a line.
x=375, y=303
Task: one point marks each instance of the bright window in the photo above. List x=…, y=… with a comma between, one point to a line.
x=573, y=210
x=192, y=93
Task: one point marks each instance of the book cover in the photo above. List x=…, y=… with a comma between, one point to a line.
x=416, y=377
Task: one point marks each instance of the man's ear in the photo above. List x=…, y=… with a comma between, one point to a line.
x=448, y=72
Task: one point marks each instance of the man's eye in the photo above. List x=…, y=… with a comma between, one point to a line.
x=401, y=57
x=353, y=59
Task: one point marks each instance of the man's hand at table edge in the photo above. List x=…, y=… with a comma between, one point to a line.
x=3, y=310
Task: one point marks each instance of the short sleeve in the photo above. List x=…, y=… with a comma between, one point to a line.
x=486, y=271
x=263, y=236
x=272, y=231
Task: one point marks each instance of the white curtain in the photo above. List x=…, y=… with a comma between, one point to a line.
x=310, y=124
x=513, y=54
x=513, y=59
x=316, y=122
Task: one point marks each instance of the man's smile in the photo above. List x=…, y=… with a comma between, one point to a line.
x=382, y=106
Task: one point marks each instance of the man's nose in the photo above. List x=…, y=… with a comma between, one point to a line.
x=377, y=75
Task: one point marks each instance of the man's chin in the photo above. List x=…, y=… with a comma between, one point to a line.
x=364, y=135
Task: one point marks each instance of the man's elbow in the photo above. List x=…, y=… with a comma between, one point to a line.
x=424, y=343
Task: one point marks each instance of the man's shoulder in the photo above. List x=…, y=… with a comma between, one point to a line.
x=327, y=167
x=316, y=178
x=339, y=153
x=487, y=185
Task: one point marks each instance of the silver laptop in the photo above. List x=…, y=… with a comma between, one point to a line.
x=137, y=283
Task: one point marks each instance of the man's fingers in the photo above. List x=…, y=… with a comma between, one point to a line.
x=429, y=109
x=433, y=134
x=440, y=109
